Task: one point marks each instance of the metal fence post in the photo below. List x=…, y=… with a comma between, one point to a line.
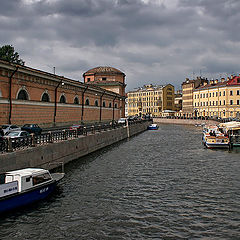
x=33, y=140
x=9, y=145
x=50, y=137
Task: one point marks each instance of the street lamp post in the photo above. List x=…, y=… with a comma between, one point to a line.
x=100, y=114
x=85, y=89
x=55, y=101
x=113, y=108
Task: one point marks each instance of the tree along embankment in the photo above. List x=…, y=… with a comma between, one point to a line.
x=50, y=155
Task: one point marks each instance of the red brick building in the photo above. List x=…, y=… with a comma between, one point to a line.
x=110, y=79
x=29, y=95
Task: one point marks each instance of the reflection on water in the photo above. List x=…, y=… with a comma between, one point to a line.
x=158, y=185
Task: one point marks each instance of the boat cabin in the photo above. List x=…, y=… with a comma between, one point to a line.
x=21, y=180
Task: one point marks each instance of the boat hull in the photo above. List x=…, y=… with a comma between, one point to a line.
x=152, y=128
x=214, y=145
x=27, y=197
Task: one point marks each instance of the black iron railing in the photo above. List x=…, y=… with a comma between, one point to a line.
x=13, y=144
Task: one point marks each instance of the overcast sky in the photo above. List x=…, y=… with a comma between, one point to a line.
x=151, y=41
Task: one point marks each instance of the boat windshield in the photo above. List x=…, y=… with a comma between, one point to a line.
x=41, y=178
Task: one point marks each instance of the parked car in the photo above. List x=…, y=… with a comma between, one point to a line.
x=17, y=134
x=9, y=127
x=122, y=120
x=76, y=127
x=17, y=137
x=32, y=128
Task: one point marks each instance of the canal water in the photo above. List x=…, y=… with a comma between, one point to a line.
x=157, y=185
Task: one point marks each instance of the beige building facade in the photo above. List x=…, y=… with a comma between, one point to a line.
x=151, y=99
x=187, y=95
x=218, y=99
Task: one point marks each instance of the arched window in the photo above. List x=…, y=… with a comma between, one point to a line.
x=115, y=105
x=87, y=102
x=110, y=105
x=104, y=104
x=45, y=98
x=96, y=103
x=76, y=100
x=62, y=99
x=22, y=95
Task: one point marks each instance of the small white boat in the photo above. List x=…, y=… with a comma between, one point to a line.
x=153, y=127
x=25, y=186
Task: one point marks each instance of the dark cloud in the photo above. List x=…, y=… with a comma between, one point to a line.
x=152, y=41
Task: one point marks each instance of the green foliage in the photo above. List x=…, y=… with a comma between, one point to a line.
x=7, y=53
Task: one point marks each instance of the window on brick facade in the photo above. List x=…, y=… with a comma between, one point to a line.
x=238, y=102
x=110, y=105
x=115, y=105
x=62, y=99
x=88, y=79
x=104, y=104
x=22, y=95
x=45, y=98
x=231, y=102
x=96, y=103
x=87, y=102
x=231, y=93
x=76, y=100
x=238, y=92
x=216, y=94
x=104, y=78
x=224, y=102
x=223, y=93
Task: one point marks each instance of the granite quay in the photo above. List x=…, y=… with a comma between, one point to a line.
x=183, y=121
x=66, y=146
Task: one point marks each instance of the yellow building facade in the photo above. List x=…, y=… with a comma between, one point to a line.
x=218, y=99
x=151, y=99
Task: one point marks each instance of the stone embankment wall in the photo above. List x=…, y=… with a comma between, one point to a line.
x=183, y=121
x=50, y=155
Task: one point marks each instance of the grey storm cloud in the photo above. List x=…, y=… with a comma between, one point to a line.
x=154, y=41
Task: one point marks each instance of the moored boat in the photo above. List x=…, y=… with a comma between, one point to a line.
x=217, y=142
x=25, y=186
x=232, y=130
x=153, y=127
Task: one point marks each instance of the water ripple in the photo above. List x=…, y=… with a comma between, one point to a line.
x=158, y=185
